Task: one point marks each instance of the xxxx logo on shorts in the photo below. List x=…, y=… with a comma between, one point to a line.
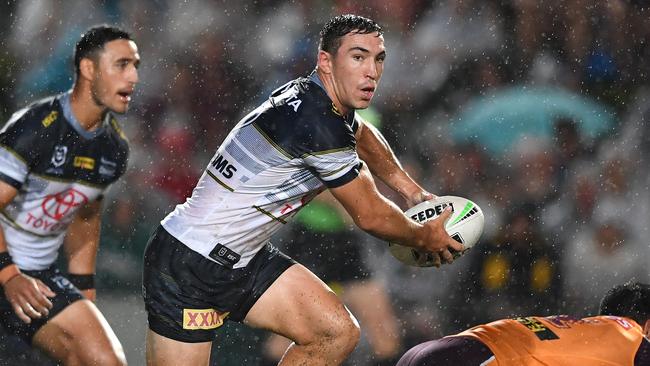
x=203, y=318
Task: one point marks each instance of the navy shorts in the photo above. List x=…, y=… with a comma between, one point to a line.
x=66, y=294
x=448, y=351
x=187, y=296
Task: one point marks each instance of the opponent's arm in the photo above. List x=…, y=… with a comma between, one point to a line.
x=27, y=295
x=81, y=245
x=380, y=217
x=373, y=148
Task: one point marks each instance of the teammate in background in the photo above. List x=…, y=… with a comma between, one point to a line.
x=57, y=158
x=210, y=259
x=618, y=336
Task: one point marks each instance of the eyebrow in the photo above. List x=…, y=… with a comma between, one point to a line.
x=359, y=48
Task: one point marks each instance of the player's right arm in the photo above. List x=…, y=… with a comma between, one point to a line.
x=380, y=217
x=27, y=295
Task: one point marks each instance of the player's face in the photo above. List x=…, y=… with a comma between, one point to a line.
x=357, y=68
x=116, y=74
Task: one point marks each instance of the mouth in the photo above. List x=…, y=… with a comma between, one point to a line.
x=125, y=95
x=368, y=92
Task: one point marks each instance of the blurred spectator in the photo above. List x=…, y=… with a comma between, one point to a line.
x=516, y=273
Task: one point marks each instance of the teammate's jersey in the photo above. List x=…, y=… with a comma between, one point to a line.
x=564, y=341
x=272, y=163
x=57, y=167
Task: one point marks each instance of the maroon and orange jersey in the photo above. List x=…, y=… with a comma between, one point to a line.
x=564, y=341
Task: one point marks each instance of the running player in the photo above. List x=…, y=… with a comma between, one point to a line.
x=210, y=259
x=57, y=157
x=618, y=336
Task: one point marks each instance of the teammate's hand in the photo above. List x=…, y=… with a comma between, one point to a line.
x=437, y=241
x=29, y=297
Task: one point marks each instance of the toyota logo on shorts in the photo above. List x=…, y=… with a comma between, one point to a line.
x=60, y=204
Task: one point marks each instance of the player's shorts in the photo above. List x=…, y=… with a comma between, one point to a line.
x=66, y=294
x=449, y=351
x=188, y=297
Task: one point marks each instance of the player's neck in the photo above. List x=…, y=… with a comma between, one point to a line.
x=84, y=108
x=330, y=89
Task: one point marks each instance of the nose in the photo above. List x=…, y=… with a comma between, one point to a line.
x=133, y=77
x=372, y=71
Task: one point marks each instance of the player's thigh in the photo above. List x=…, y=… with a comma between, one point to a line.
x=163, y=351
x=449, y=351
x=301, y=307
x=82, y=330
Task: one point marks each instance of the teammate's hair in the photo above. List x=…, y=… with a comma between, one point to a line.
x=339, y=26
x=631, y=300
x=93, y=40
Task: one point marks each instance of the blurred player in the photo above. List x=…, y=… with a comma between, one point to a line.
x=210, y=259
x=618, y=336
x=57, y=158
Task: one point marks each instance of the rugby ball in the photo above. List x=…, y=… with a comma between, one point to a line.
x=465, y=225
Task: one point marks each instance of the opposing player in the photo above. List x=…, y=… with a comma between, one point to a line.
x=210, y=259
x=57, y=157
x=618, y=336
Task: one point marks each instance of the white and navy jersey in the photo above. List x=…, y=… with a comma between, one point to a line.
x=272, y=163
x=57, y=167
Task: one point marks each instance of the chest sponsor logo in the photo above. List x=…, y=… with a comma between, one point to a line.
x=84, y=162
x=194, y=319
x=56, y=207
x=59, y=155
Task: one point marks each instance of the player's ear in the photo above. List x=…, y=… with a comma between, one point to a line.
x=646, y=328
x=87, y=68
x=324, y=61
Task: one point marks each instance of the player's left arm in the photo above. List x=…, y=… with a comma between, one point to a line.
x=375, y=151
x=81, y=245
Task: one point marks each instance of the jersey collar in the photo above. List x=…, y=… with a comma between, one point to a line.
x=314, y=78
x=74, y=122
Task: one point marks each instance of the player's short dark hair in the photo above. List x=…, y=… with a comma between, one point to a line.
x=94, y=40
x=631, y=300
x=337, y=27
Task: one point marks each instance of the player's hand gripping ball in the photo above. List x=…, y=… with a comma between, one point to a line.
x=465, y=225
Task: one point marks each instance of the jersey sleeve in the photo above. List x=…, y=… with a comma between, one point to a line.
x=331, y=153
x=16, y=142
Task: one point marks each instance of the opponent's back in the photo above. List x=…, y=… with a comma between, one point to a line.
x=564, y=341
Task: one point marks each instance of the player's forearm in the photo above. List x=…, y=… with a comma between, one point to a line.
x=375, y=214
x=385, y=220
x=382, y=162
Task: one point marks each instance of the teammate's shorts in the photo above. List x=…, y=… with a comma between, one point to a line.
x=66, y=294
x=449, y=351
x=187, y=296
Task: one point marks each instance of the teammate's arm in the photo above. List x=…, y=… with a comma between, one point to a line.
x=373, y=148
x=81, y=245
x=380, y=217
x=27, y=295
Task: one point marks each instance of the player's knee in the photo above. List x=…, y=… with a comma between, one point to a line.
x=345, y=333
x=109, y=357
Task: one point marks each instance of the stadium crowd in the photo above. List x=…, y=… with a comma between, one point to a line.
x=534, y=110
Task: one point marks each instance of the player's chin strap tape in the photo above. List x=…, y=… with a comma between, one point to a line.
x=82, y=281
x=8, y=269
